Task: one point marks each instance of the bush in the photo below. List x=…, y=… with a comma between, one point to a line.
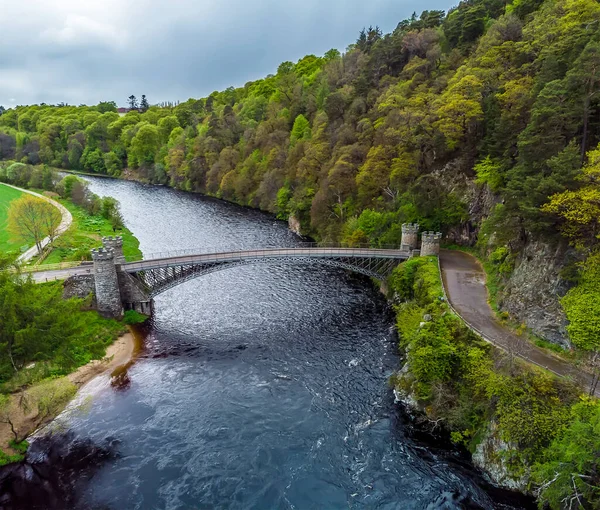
x=132, y=317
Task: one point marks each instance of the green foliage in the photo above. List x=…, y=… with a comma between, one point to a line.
x=490, y=173
x=9, y=459
x=20, y=447
x=582, y=306
x=394, y=126
x=569, y=470
x=132, y=317
x=301, y=129
x=7, y=243
x=39, y=326
x=87, y=231
x=284, y=196
x=418, y=280
x=461, y=382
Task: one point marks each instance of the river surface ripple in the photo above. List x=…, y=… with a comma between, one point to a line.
x=259, y=387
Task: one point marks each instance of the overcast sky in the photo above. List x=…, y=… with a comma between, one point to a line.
x=86, y=51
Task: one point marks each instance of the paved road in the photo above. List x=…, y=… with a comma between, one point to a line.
x=464, y=281
x=60, y=274
x=65, y=223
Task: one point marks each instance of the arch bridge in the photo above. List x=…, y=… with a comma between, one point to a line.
x=133, y=285
x=159, y=274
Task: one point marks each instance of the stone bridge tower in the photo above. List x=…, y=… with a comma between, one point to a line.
x=116, y=289
x=410, y=232
x=430, y=243
x=106, y=281
x=116, y=245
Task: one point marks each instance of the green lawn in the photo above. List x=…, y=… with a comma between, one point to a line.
x=86, y=233
x=7, y=195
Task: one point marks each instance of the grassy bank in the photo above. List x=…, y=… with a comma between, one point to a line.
x=45, y=339
x=86, y=233
x=546, y=428
x=7, y=195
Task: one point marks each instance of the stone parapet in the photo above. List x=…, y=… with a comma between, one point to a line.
x=102, y=254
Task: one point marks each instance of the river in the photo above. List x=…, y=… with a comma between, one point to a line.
x=258, y=387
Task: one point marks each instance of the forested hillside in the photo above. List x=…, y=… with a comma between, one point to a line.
x=477, y=121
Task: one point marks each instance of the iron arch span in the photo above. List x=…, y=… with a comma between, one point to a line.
x=159, y=280
x=141, y=281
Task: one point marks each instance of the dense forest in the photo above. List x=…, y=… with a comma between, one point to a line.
x=495, y=99
x=355, y=144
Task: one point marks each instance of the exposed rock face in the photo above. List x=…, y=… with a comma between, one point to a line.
x=535, y=287
x=294, y=225
x=457, y=177
x=490, y=457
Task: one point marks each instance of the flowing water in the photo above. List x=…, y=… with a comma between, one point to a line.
x=258, y=387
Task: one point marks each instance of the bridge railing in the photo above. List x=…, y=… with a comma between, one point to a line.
x=263, y=249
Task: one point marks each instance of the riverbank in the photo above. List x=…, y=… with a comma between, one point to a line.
x=119, y=356
x=517, y=421
x=86, y=233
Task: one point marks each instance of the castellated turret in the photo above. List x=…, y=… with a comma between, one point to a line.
x=410, y=232
x=116, y=245
x=108, y=295
x=430, y=243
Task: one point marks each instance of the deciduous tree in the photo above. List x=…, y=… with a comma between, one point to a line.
x=31, y=219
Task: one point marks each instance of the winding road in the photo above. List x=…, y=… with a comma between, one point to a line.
x=464, y=284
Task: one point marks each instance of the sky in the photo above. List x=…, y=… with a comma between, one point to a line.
x=86, y=51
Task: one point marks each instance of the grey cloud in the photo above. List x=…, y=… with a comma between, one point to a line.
x=90, y=50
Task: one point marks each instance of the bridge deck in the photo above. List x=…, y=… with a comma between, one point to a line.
x=283, y=253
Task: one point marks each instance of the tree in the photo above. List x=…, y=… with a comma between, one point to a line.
x=113, y=163
x=569, y=475
x=32, y=219
x=106, y=106
x=132, y=102
x=584, y=79
x=144, y=103
x=166, y=125
x=580, y=209
x=301, y=129
x=144, y=144
x=582, y=308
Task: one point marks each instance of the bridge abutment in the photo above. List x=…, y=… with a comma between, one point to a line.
x=106, y=282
